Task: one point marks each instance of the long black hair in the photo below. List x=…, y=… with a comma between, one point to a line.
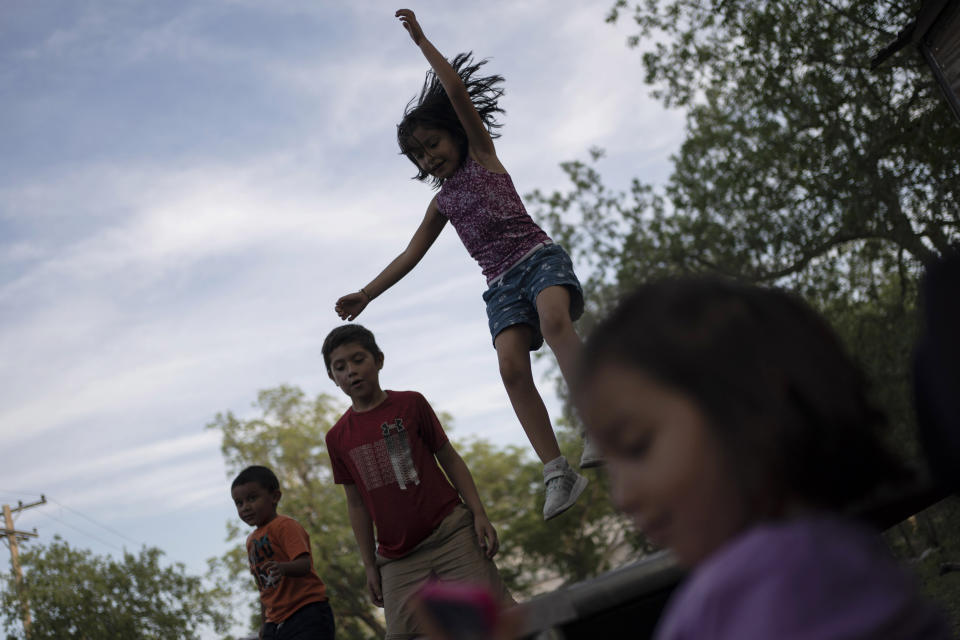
x=790, y=408
x=432, y=109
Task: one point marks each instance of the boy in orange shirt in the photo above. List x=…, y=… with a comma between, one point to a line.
x=293, y=599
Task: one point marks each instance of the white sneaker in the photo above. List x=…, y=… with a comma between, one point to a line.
x=591, y=456
x=563, y=485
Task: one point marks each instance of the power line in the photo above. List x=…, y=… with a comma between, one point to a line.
x=99, y=524
x=103, y=526
x=86, y=533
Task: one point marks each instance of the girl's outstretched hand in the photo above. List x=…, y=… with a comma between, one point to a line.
x=411, y=25
x=349, y=306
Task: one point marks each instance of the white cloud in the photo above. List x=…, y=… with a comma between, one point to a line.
x=99, y=470
x=186, y=215
x=178, y=485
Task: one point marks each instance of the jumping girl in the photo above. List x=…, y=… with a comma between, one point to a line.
x=533, y=294
x=738, y=434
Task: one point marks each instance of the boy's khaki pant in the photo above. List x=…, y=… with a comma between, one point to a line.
x=451, y=553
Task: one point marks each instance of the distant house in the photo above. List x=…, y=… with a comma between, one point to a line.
x=935, y=31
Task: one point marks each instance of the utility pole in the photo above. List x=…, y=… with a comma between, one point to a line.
x=13, y=536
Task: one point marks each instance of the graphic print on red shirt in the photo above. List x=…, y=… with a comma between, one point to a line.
x=387, y=460
x=389, y=454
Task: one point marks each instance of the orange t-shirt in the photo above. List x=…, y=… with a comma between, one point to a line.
x=283, y=539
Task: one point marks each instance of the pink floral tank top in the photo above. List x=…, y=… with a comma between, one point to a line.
x=489, y=216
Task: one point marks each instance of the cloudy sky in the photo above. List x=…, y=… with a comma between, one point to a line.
x=186, y=187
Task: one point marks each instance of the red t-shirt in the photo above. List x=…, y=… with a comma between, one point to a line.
x=389, y=454
x=283, y=539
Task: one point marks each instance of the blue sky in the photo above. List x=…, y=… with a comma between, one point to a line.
x=187, y=187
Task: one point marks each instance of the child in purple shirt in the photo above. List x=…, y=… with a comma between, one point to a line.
x=737, y=434
x=533, y=294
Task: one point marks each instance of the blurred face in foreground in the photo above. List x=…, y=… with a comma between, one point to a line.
x=667, y=469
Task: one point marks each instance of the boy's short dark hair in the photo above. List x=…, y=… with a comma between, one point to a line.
x=346, y=334
x=259, y=474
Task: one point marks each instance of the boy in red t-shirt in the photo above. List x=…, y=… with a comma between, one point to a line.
x=293, y=599
x=385, y=452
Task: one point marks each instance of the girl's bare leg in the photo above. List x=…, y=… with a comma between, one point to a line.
x=553, y=306
x=513, y=354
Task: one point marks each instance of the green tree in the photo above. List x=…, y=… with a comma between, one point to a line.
x=801, y=167
x=287, y=434
x=797, y=154
x=73, y=593
x=800, y=164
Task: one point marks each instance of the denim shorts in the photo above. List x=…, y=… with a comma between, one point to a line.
x=512, y=299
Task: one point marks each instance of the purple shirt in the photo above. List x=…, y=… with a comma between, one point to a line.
x=815, y=578
x=489, y=216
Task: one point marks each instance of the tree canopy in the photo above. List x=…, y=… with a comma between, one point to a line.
x=800, y=164
x=801, y=167
x=73, y=593
x=797, y=153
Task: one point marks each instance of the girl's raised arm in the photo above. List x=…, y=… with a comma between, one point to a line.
x=477, y=135
x=349, y=306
